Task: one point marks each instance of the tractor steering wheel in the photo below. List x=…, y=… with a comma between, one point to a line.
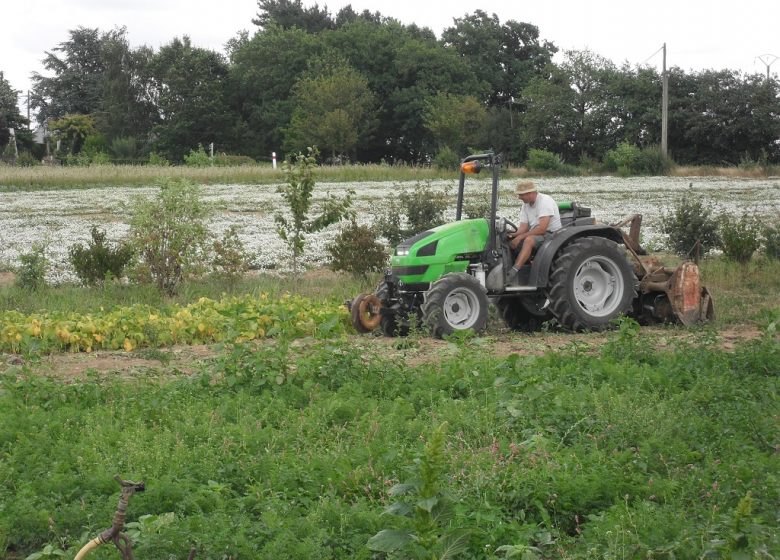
x=513, y=226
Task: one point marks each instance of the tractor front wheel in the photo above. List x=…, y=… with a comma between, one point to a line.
x=453, y=303
x=591, y=283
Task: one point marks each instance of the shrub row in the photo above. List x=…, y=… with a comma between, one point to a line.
x=692, y=228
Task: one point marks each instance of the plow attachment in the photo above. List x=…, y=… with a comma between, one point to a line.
x=667, y=294
x=677, y=294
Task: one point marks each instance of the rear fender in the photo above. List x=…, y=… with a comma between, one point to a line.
x=540, y=267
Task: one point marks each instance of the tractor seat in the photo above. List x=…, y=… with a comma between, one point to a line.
x=574, y=214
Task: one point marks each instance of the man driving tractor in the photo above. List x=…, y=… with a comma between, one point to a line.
x=539, y=219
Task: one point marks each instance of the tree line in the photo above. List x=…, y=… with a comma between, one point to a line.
x=366, y=88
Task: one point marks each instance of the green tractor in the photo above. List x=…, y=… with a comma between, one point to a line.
x=584, y=276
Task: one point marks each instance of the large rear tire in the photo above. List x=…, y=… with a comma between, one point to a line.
x=524, y=314
x=455, y=302
x=591, y=284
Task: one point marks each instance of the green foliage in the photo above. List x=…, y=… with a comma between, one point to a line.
x=690, y=221
x=293, y=226
x=355, y=250
x=26, y=159
x=455, y=121
x=622, y=159
x=31, y=272
x=627, y=159
x=543, y=160
x=48, y=551
x=739, y=238
x=198, y=158
x=333, y=111
x=652, y=161
x=447, y=158
x=99, y=261
x=125, y=148
x=95, y=143
x=72, y=131
x=191, y=89
x=10, y=117
x=169, y=235
x=423, y=499
x=424, y=207
x=420, y=209
x=230, y=259
x=477, y=207
x=157, y=159
x=288, y=449
x=771, y=235
x=9, y=153
x=739, y=534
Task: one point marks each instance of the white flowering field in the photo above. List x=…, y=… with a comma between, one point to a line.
x=60, y=218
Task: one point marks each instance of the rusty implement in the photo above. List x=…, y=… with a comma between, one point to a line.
x=667, y=294
x=365, y=311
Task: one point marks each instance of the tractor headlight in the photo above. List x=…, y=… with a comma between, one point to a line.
x=402, y=252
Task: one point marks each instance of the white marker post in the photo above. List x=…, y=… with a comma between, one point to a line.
x=273, y=159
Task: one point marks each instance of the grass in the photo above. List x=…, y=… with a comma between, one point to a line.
x=46, y=178
x=289, y=450
x=42, y=177
x=740, y=291
x=316, y=284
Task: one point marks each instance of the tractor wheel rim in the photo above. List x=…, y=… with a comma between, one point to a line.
x=461, y=308
x=598, y=286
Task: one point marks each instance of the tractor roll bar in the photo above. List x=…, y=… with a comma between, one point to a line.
x=493, y=161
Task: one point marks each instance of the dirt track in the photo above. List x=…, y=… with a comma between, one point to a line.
x=185, y=360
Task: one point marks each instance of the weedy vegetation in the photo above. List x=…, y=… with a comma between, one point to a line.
x=303, y=448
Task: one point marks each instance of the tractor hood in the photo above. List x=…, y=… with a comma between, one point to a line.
x=429, y=255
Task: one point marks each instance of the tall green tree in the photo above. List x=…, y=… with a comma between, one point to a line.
x=506, y=57
x=125, y=106
x=96, y=73
x=263, y=72
x=719, y=116
x=571, y=112
x=457, y=122
x=333, y=111
x=189, y=89
x=10, y=117
x=287, y=14
x=77, y=81
x=635, y=94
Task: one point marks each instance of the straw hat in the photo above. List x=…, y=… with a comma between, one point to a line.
x=525, y=187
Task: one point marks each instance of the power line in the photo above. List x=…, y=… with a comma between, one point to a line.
x=655, y=53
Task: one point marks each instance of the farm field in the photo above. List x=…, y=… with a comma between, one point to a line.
x=265, y=428
x=61, y=218
x=632, y=444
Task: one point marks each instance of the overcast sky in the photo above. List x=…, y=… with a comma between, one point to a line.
x=699, y=34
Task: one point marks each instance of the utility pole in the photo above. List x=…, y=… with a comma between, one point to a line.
x=665, y=109
x=768, y=60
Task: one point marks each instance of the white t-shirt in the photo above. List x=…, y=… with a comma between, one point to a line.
x=544, y=206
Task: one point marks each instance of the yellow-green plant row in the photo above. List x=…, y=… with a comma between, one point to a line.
x=235, y=319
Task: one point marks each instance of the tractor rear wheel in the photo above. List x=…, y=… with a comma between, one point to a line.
x=455, y=302
x=523, y=314
x=591, y=283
